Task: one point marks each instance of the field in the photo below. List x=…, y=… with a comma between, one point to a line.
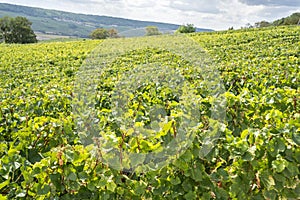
x=203, y=116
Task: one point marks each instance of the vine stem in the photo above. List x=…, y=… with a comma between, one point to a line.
x=99, y=149
x=38, y=137
x=121, y=148
x=174, y=129
x=295, y=103
x=138, y=143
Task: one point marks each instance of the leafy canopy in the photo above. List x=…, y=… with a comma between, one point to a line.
x=16, y=30
x=189, y=28
x=99, y=33
x=152, y=30
x=102, y=33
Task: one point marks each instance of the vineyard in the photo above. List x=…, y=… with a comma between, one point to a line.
x=201, y=116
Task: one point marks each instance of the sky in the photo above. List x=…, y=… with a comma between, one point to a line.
x=214, y=14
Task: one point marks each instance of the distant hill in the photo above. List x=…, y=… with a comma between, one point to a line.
x=53, y=22
x=293, y=19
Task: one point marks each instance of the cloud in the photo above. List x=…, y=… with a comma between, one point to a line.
x=140, y=3
x=197, y=6
x=289, y=3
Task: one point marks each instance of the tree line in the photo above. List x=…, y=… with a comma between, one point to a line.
x=18, y=30
x=102, y=33
x=293, y=19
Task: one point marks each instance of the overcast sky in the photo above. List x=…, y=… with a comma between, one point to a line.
x=215, y=14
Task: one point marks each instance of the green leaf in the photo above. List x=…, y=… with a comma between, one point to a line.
x=181, y=164
x=187, y=156
x=3, y=197
x=175, y=180
x=72, y=176
x=83, y=176
x=5, y=183
x=276, y=146
x=115, y=163
x=137, y=159
x=111, y=186
x=197, y=173
x=270, y=194
x=91, y=186
x=190, y=195
x=279, y=165
x=43, y=189
x=70, y=155
x=187, y=185
x=296, y=137
x=139, y=188
x=56, y=180
x=34, y=156
x=293, y=169
x=248, y=156
x=267, y=180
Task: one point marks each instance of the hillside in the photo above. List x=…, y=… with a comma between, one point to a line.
x=80, y=25
x=293, y=19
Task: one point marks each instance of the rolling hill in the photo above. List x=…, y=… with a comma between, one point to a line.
x=53, y=22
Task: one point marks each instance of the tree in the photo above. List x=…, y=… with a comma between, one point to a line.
x=152, y=30
x=5, y=24
x=22, y=32
x=247, y=26
x=100, y=33
x=290, y=20
x=262, y=24
x=16, y=30
x=293, y=19
x=113, y=33
x=189, y=28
